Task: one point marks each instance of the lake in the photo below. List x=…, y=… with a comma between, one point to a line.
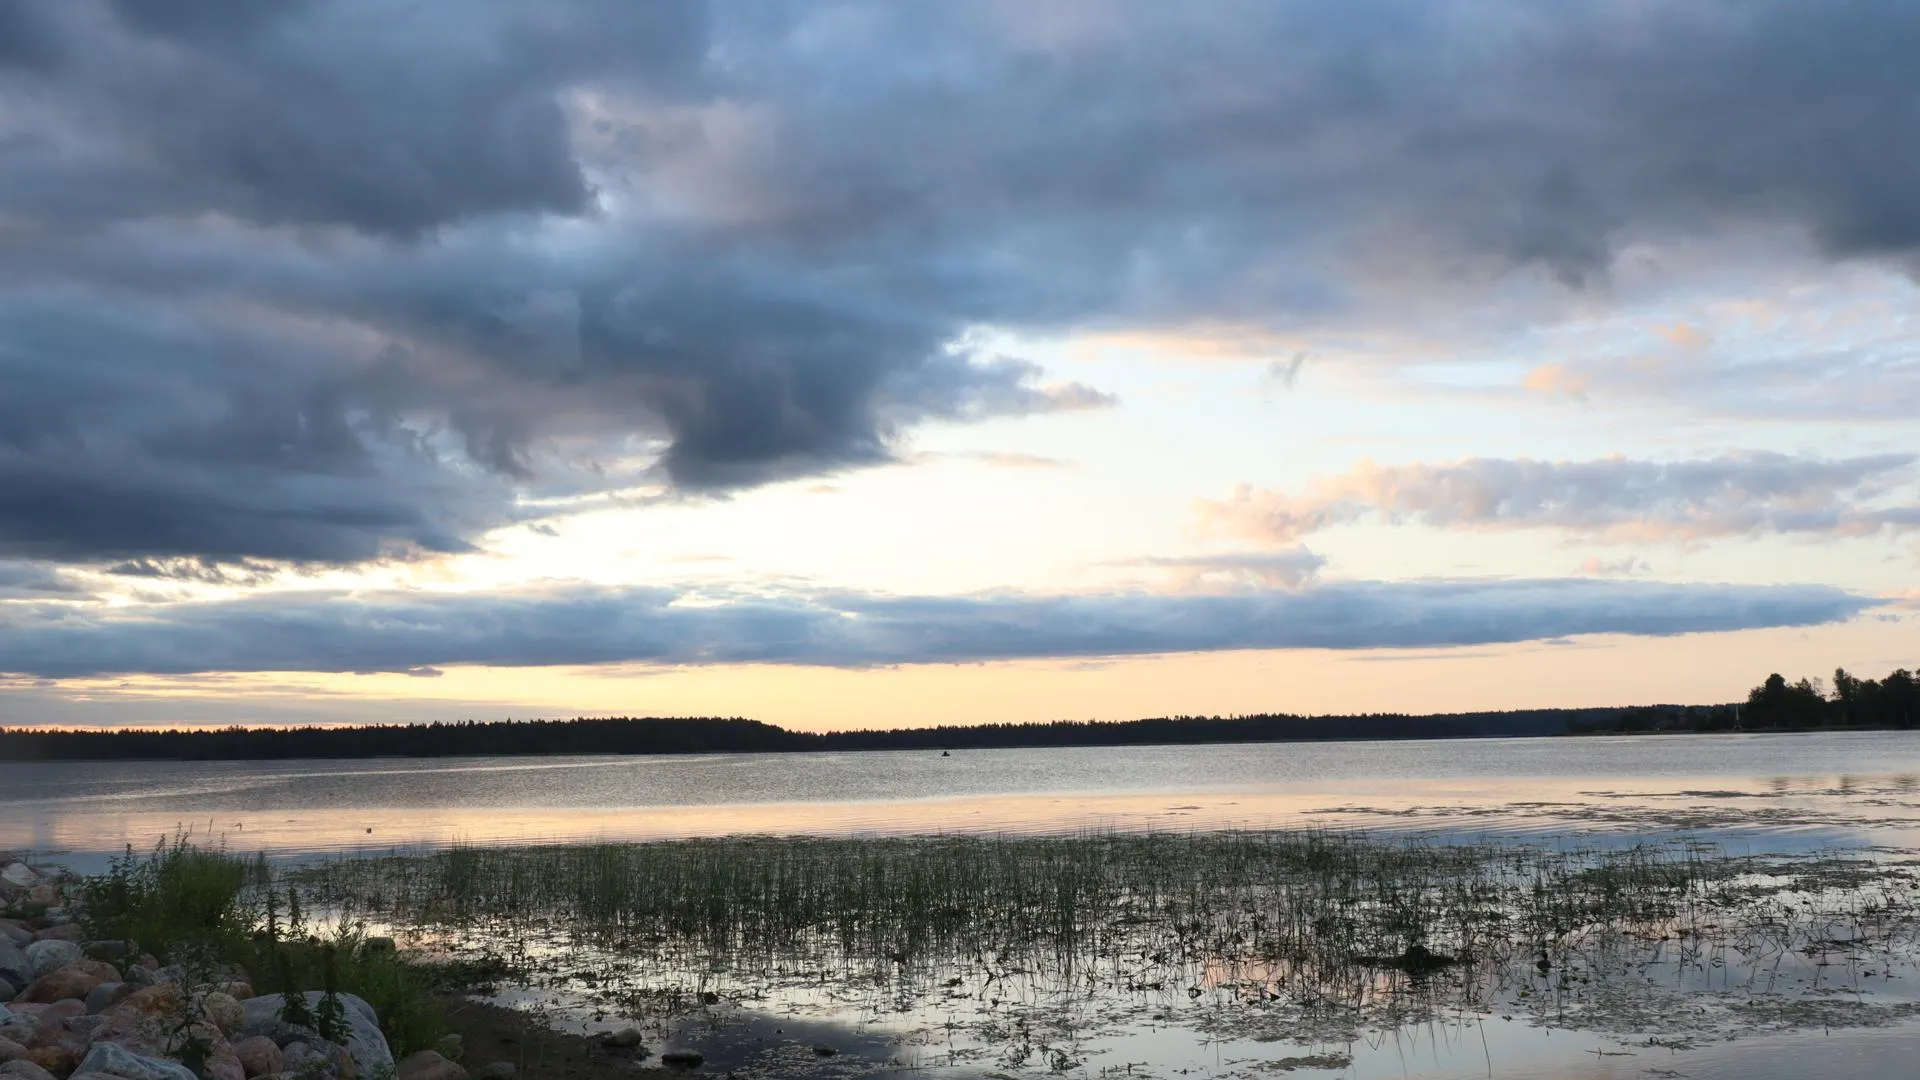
x=1773, y=791
x=1799, y=961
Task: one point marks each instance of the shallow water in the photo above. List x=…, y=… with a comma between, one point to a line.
x=1751, y=981
x=1772, y=791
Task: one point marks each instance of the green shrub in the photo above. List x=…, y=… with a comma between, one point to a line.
x=179, y=894
x=401, y=993
x=184, y=901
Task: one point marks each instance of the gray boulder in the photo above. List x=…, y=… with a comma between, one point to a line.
x=15, y=932
x=116, y=1060
x=225, y=973
x=224, y=1011
x=259, y=1056
x=364, y=1039
x=17, y=1026
x=15, y=968
x=319, y=1059
x=107, y=995
x=429, y=1065
x=52, y=955
x=19, y=875
x=25, y=1070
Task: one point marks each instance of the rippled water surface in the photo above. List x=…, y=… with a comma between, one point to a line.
x=1768, y=789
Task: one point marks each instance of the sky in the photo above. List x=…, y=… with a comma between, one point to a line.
x=847, y=364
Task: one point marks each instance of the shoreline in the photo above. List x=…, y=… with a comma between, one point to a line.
x=538, y=1050
x=75, y=1007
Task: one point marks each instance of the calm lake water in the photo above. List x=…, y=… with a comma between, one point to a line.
x=1769, y=791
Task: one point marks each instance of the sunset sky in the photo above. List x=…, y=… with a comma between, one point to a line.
x=891, y=363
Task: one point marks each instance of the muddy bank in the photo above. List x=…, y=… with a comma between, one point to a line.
x=538, y=1052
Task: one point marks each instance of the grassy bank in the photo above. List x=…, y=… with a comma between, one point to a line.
x=204, y=910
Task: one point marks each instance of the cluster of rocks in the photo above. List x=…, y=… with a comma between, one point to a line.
x=73, y=1009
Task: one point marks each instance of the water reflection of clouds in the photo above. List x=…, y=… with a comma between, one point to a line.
x=1759, y=790
x=1823, y=812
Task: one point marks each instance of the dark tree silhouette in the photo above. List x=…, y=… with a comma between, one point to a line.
x=623, y=735
x=1778, y=704
x=1892, y=702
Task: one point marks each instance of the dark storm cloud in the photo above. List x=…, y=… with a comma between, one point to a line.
x=392, y=119
x=324, y=282
x=29, y=37
x=140, y=431
x=417, y=632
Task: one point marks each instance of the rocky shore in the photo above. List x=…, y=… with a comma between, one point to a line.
x=78, y=1009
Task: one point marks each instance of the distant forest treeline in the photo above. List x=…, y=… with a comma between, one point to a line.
x=706, y=735
x=1777, y=705
x=1773, y=705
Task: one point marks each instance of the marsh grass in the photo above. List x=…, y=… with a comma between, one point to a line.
x=1047, y=938
x=1305, y=897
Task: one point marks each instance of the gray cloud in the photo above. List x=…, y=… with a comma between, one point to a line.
x=1611, y=567
x=336, y=281
x=1288, y=569
x=36, y=581
x=391, y=120
x=416, y=632
x=1617, y=498
x=1286, y=373
x=28, y=37
x=1770, y=373
x=205, y=570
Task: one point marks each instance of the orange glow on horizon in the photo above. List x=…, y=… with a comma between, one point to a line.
x=1690, y=669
